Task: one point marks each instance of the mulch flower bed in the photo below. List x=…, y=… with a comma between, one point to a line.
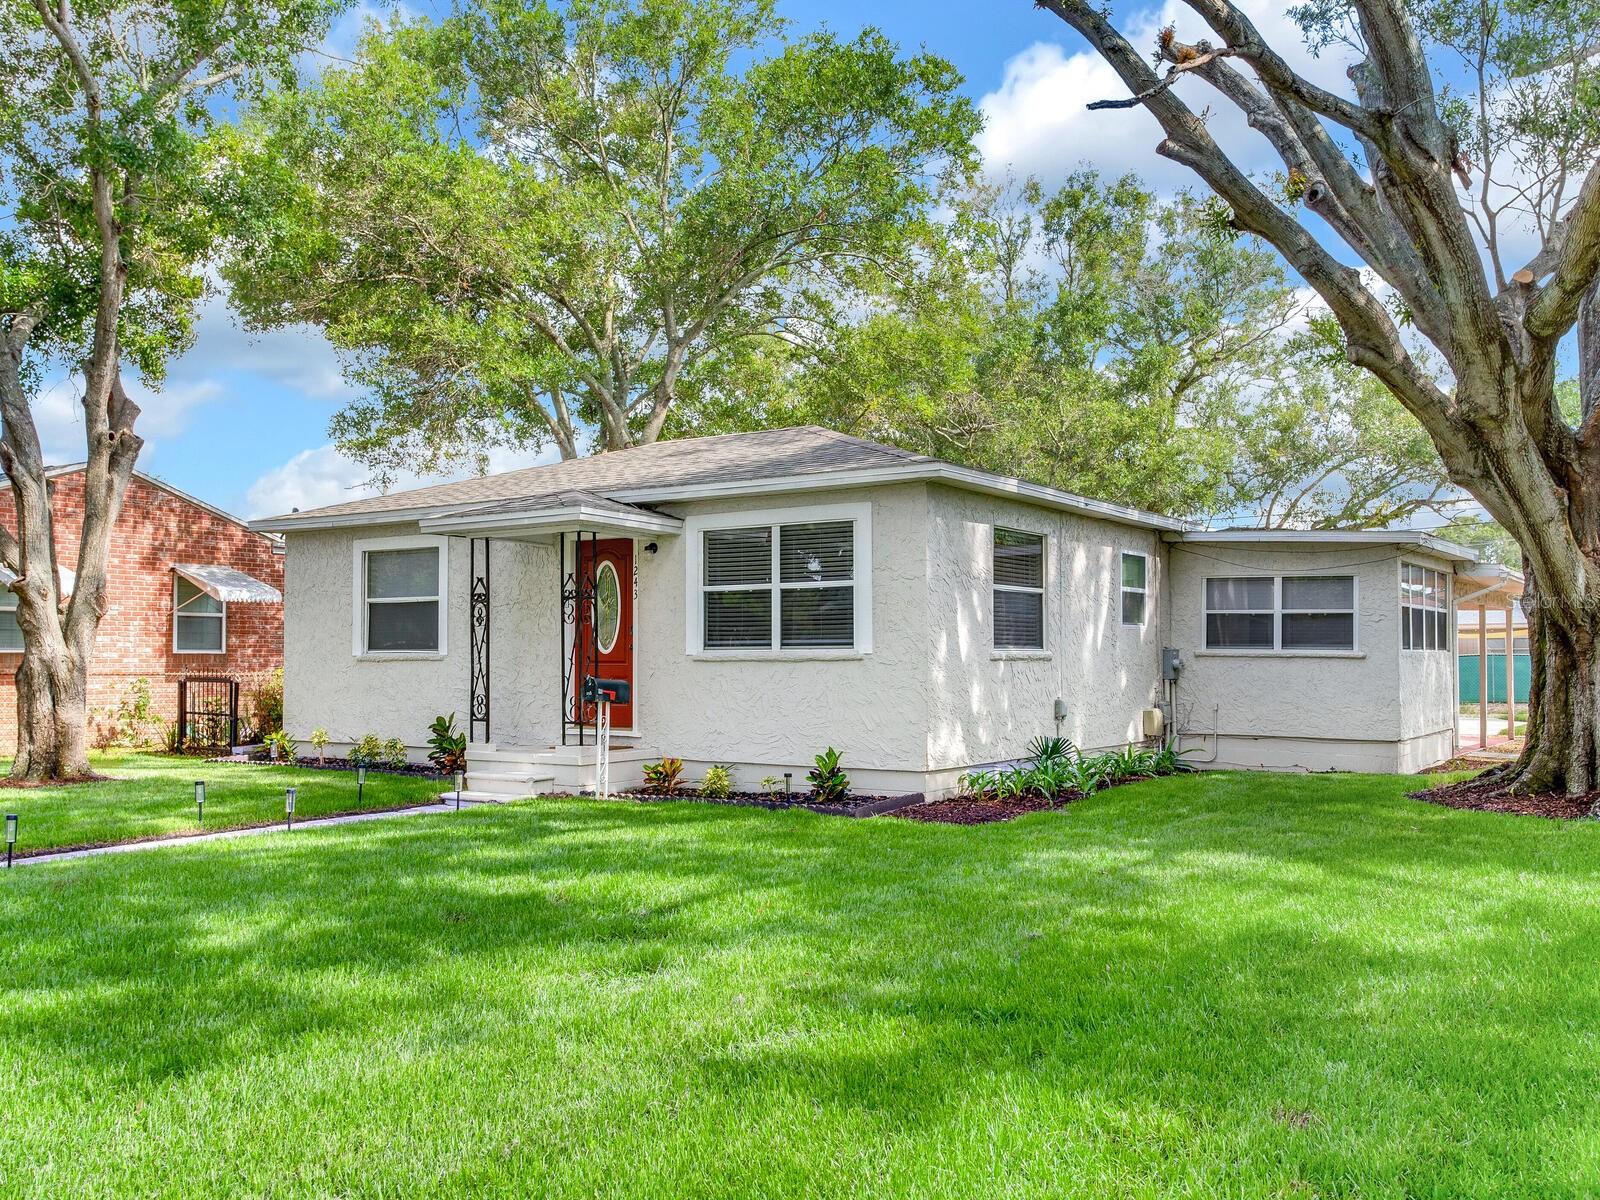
x=858, y=806
x=312, y=763
x=1482, y=795
x=973, y=810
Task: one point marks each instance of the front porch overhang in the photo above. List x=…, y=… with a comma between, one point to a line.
x=546, y=519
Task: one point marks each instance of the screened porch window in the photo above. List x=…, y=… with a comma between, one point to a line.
x=789, y=586
x=199, y=621
x=1424, y=609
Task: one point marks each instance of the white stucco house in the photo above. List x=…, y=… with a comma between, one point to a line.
x=766, y=595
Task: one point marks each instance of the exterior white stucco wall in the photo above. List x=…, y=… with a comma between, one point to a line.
x=327, y=686
x=985, y=705
x=1377, y=708
x=770, y=711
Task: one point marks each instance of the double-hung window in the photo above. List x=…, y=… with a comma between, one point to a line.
x=1288, y=612
x=1135, y=587
x=199, y=620
x=1018, y=590
x=10, y=631
x=400, y=596
x=1424, y=608
x=788, y=585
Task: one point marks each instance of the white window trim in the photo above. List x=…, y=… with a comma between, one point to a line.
x=694, y=529
x=358, y=594
x=1447, y=645
x=1277, y=650
x=1042, y=650
x=1144, y=591
x=223, y=616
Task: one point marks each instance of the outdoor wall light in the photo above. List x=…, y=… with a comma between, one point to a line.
x=200, y=801
x=288, y=807
x=650, y=549
x=461, y=782
x=11, y=836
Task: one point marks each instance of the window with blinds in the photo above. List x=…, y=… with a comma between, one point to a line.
x=10, y=631
x=792, y=587
x=1424, y=608
x=1288, y=612
x=403, y=600
x=1018, y=590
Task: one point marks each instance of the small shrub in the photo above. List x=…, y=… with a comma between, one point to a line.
x=447, y=746
x=829, y=784
x=280, y=745
x=1169, y=760
x=1051, y=749
x=981, y=784
x=266, y=703
x=718, y=783
x=770, y=784
x=665, y=776
x=372, y=751
x=171, y=737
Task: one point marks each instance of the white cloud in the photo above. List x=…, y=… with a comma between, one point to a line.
x=313, y=478
x=1037, y=121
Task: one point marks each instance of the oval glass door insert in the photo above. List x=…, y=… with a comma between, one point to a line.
x=608, y=602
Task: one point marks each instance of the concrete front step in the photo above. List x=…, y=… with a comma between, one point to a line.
x=555, y=768
x=509, y=783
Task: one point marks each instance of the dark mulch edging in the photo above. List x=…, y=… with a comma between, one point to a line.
x=858, y=806
x=422, y=770
x=69, y=781
x=1480, y=795
x=974, y=810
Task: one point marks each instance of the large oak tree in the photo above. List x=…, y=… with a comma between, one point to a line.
x=108, y=209
x=533, y=221
x=1425, y=170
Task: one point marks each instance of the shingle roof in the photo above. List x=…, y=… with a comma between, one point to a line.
x=678, y=469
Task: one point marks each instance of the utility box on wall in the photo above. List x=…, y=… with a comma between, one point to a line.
x=1153, y=722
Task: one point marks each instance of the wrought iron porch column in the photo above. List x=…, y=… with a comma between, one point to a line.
x=478, y=624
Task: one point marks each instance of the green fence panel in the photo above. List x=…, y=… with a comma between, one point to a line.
x=1497, y=678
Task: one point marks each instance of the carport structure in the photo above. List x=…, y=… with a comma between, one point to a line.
x=1483, y=587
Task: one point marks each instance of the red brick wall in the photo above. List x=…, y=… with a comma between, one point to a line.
x=155, y=530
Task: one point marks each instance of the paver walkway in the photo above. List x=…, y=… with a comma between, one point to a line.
x=190, y=839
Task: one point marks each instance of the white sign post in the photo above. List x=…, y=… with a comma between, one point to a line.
x=602, y=762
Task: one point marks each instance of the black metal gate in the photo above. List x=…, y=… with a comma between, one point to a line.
x=208, y=712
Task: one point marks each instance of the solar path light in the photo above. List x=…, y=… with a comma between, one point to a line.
x=288, y=807
x=11, y=837
x=200, y=801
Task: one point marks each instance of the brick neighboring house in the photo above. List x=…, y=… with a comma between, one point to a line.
x=176, y=606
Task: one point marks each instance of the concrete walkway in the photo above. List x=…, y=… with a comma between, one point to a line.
x=189, y=839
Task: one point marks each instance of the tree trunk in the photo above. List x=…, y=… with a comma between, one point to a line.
x=52, y=718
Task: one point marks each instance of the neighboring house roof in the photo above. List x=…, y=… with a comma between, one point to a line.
x=1291, y=538
x=734, y=464
x=74, y=468
x=67, y=576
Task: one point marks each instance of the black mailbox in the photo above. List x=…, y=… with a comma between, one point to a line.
x=595, y=690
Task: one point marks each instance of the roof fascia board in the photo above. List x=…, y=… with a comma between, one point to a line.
x=491, y=523
x=1330, y=537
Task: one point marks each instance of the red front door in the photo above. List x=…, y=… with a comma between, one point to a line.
x=606, y=626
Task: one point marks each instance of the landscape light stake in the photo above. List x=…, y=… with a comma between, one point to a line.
x=200, y=801
x=288, y=808
x=461, y=780
x=361, y=782
x=788, y=782
x=11, y=836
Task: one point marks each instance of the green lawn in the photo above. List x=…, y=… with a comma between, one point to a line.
x=151, y=795
x=1228, y=985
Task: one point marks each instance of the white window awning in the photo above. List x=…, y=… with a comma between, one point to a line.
x=228, y=585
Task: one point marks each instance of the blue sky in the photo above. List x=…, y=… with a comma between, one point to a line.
x=242, y=420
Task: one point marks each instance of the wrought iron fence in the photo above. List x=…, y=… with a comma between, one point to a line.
x=208, y=712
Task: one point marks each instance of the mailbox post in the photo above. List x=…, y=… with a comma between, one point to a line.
x=603, y=693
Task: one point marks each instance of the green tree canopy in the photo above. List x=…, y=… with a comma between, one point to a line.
x=1102, y=340
x=533, y=220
